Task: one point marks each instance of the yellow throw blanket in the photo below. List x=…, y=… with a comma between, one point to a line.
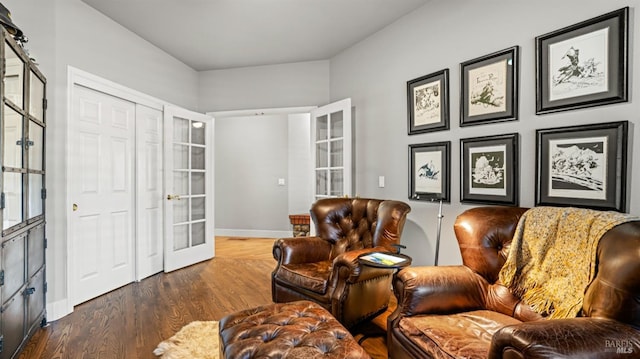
x=552, y=257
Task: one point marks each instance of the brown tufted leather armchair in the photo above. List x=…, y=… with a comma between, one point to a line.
x=325, y=268
x=464, y=312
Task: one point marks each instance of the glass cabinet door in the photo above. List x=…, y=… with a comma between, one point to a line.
x=22, y=184
x=13, y=145
x=34, y=144
x=22, y=139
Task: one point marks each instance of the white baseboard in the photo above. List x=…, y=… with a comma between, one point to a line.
x=59, y=309
x=252, y=233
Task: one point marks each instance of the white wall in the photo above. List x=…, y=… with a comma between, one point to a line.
x=68, y=32
x=299, y=156
x=273, y=86
x=440, y=35
x=251, y=155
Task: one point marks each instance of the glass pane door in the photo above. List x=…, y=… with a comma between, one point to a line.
x=189, y=188
x=189, y=183
x=331, y=147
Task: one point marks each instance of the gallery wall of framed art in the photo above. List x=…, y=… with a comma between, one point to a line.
x=578, y=66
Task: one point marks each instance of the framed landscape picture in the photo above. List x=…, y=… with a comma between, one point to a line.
x=429, y=170
x=428, y=103
x=583, y=65
x=582, y=166
x=489, y=89
x=489, y=172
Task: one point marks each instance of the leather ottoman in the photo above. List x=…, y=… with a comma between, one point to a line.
x=301, y=329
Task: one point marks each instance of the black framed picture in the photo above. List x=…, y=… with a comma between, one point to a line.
x=582, y=166
x=489, y=88
x=428, y=103
x=490, y=169
x=583, y=65
x=429, y=171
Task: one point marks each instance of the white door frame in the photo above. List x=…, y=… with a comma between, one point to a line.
x=82, y=78
x=221, y=115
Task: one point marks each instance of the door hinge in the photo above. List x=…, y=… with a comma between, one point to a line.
x=46, y=287
x=1, y=343
x=2, y=200
x=46, y=243
x=43, y=193
x=2, y=277
x=45, y=103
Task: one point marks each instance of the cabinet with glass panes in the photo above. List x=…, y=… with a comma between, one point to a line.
x=22, y=185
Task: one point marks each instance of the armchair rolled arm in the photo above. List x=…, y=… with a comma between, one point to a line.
x=566, y=338
x=447, y=289
x=297, y=250
x=347, y=265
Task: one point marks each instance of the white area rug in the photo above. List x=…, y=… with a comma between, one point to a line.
x=196, y=340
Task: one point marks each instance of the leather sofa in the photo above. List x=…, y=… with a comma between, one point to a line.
x=465, y=311
x=325, y=268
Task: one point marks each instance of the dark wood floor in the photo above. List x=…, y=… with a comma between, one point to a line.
x=129, y=322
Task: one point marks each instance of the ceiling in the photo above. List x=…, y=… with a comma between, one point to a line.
x=222, y=34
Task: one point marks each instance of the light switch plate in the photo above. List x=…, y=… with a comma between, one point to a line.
x=381, y=181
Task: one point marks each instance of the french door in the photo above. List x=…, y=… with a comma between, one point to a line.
x=331, y=150
x=189, y=186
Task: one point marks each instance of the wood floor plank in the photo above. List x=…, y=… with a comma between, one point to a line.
x=130, y=321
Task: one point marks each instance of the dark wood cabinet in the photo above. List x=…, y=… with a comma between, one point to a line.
x=22, y=197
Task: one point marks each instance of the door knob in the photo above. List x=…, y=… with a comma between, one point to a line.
x=75, y=207
x=173, y=196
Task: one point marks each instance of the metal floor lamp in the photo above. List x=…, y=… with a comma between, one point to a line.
x=435, y=261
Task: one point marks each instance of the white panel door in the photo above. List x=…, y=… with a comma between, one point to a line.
x=149, y=228
x=189, y=185
x=101, y=191
x=331, y=150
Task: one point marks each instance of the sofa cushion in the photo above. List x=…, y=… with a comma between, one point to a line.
x=311, y=276
x=463, y=335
